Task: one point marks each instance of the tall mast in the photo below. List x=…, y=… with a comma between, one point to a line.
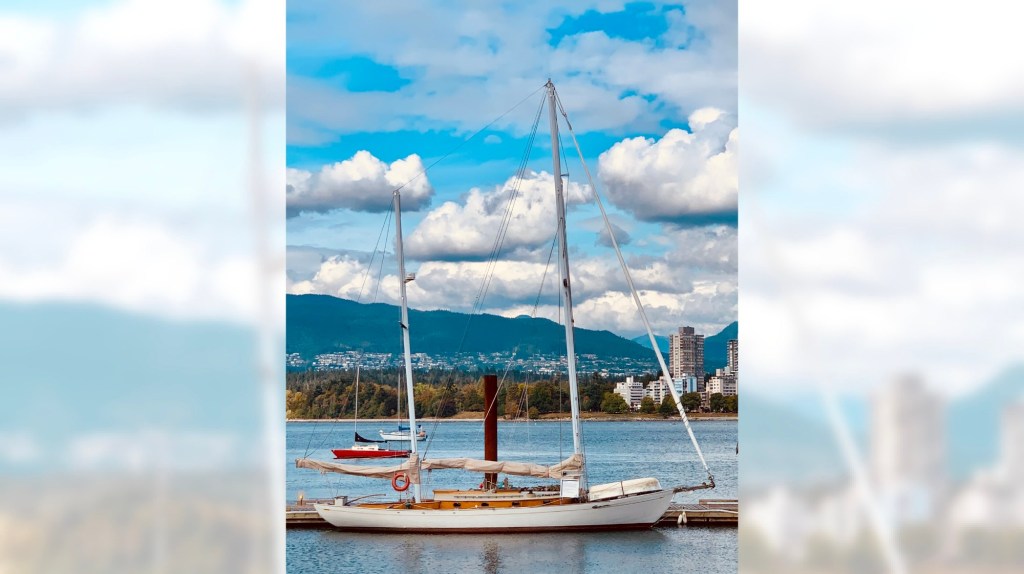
x=563, y=269
x=403, y=278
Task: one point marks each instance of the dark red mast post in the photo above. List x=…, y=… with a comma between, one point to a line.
x=490, y=427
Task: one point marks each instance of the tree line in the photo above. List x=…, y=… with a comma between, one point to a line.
x=444, y=393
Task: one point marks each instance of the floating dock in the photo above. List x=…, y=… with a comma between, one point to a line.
x=707, y=512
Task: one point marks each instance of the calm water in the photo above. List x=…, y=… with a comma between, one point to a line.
x=615, y=451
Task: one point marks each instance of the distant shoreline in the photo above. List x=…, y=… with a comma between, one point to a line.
x=611, y=418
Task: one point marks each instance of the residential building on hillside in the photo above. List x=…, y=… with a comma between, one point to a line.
x=686, y=353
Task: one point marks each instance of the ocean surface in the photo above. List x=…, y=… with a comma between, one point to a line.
x=615, y=451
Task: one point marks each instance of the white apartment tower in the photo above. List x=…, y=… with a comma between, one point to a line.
x=908, y=444
x=686, y=354
x=1012, y=442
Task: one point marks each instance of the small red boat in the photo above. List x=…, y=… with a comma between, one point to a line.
x=368, y=451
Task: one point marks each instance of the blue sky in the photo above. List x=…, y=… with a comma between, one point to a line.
x=391, y=81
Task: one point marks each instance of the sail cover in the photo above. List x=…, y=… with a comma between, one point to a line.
x=572, y=464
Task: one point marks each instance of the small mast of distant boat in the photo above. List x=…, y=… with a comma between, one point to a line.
x=364, y=447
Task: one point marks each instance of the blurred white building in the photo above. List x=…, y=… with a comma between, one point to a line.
x=994, y=497
x=779, y=519
x=1011, y=458
x=907, y=450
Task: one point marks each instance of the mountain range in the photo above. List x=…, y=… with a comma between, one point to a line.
x=320, y=324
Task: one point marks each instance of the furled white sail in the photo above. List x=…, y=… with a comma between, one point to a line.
x=572, y=464
x=411, y=466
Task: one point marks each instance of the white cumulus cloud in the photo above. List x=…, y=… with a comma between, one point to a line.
x=684, y=176
x=360, y=183
x=192, y=54
x=467, y=230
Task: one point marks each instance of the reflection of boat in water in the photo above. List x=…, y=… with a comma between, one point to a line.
x=402, y=434
x=571, y=505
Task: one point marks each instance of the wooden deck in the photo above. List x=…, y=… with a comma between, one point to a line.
x=707, y=512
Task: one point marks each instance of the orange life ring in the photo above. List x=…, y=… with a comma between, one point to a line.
x=400, y=486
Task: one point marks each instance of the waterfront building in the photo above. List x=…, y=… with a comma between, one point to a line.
x=993, y=498
x=658, y=390
x=654, y=390
x=723, y=382
x=907, y=449
x=686, y=353
x=1011, y=457
x=631, y=391
x=687, y=383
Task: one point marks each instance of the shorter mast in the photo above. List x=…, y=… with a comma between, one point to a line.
x=563, y=267
x=355, y=422
x=403, y=279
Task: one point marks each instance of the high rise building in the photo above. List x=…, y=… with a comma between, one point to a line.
x=907, y=448
x=686, y=354
x=733, y=349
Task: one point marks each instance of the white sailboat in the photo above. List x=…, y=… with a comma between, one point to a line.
x=573, y=506
x=403, y=434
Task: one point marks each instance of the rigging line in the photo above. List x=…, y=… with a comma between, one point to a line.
x=533, y=314
x=385, y=231
x=499, y=238
x=636, y=296
x=551, y=252
x=467, y=140
x=380, y=271
x=492, y=259
x=516, y=186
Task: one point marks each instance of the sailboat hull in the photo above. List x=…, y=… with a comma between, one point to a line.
x=401, y=436
x=636, y=511
x=368, y=453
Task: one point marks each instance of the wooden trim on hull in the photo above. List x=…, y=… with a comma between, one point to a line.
x=515, y=530
x=630, y=512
